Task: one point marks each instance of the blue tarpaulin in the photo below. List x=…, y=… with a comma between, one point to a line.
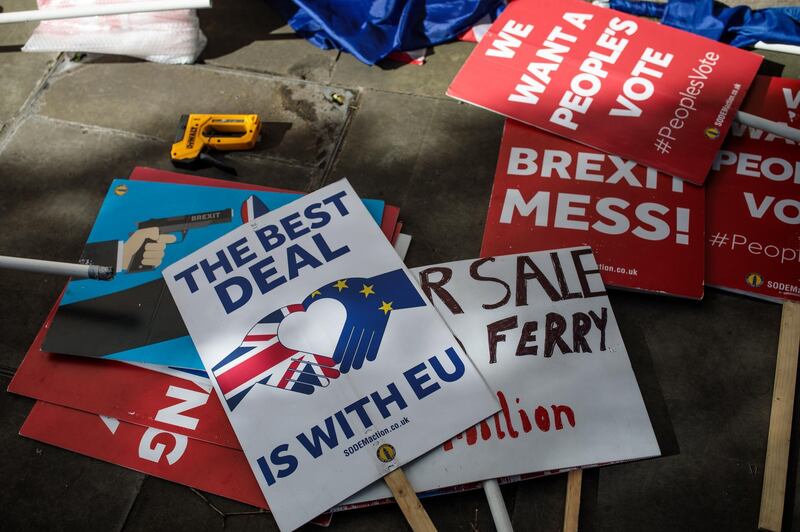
x=372, y=29
x=738, y=26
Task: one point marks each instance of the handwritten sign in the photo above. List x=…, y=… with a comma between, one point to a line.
x=660, y=96
x=540, y=328
x=753, y=228
x=646, y=228
x=332, y=366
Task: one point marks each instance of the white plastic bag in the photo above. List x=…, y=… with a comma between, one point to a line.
x=172, y=37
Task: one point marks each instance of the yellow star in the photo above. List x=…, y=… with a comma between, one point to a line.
x=340, y=284
x=315, y=293
x=367, y=290
x=386, y=307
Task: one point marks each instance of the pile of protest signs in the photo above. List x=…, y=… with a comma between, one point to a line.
x=614, y=124
x=271, y=346
x=303, y=318
x=148, y=404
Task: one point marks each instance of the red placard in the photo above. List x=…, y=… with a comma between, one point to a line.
x=660, y=96
x=753, y=201
x=645, y=228
x=161, y=453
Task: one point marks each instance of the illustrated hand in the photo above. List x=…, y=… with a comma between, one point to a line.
x=368, y=303
x=148, y=246
x=359, y=341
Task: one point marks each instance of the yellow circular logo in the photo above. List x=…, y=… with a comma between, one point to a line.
x=386, y=453
x=712, y=133
x=754, y=279
x=121, y=190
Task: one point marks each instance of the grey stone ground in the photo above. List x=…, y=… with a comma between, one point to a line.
x=66, y=130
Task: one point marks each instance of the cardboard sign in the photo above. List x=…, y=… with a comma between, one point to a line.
x=753, y=226
x=333, y=367
x=141, y=228
x=660, y=96
x=540, y=328
x=645, y=228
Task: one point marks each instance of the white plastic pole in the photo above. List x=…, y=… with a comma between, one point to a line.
x=82, y=271
x=101, y=10
x=502, y=522
x=776, y=128
x=777, y=47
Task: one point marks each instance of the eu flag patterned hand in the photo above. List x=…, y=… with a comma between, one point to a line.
x=369, y=302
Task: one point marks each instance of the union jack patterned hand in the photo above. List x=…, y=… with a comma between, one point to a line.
x=369, y=302
x=262, y=359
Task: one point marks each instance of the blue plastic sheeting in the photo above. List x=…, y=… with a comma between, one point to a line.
x=372, y=29
x=738, y=26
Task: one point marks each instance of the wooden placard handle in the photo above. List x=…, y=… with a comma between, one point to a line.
x=773, y=492
x=409, y=503
x=572, y=505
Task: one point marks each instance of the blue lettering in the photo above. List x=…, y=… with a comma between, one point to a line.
x=393, y=397
x=262, y=275
x=209, y=268
x=306, y=259
x=238, y=250
x=294, y=227
x=327, y=254
x=358, y=407
x=348, y=431
x=458, y=366
x=264, y=466
x=270, y=237
x=279, y=457
x=223, y=293
x=187, y=276
x=319, y=436
x=336, y=199
x=415, y=380
x=316, y=212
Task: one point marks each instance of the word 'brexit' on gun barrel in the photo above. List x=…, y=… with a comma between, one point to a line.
x=177, y=224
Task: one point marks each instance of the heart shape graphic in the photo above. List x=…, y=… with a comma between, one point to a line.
x=316, y=330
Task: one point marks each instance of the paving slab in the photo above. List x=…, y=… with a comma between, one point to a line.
x=432, y=79
x=46, y=488
x=163, y=505
x=53, y=177
x=301, y=123
x=265, y=44
x=433, y=158
x=714, y=362
x=22, y=72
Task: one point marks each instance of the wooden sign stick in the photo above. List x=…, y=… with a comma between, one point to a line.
x=773, y=492
x=573, y=503
x=409, y=503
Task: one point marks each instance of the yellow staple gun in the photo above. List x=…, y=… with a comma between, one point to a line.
x=197, y=132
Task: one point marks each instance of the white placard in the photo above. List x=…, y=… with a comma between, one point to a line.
x=332, y=366
x=540, y=329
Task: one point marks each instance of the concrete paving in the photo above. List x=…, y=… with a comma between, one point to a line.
x=66, y=130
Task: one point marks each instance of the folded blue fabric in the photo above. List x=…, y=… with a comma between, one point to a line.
x=738, y=26
x=372, y=29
